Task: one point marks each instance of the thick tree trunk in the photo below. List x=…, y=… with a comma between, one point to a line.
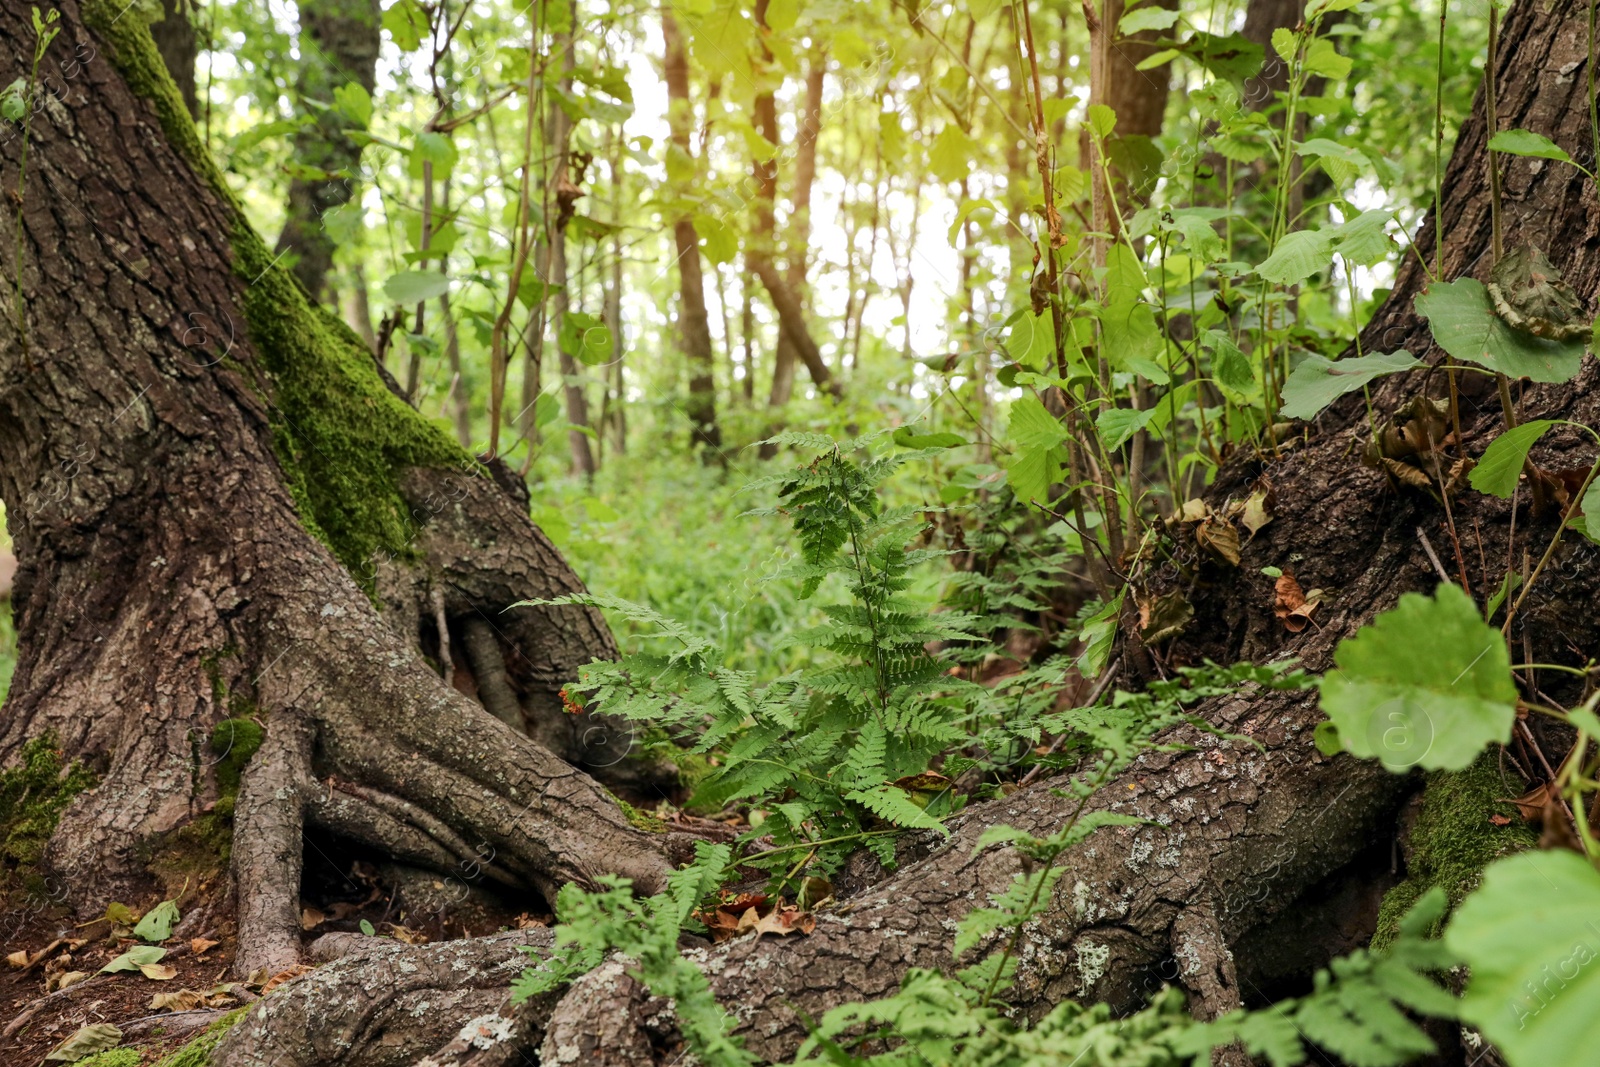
x=798, y=245
x=694, y=324
x=339, y=42
x=222, y=512
x=1247, y=849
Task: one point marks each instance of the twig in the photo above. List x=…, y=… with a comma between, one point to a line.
x=1427, y=546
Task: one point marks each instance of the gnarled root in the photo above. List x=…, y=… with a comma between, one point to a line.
x=383, y=1004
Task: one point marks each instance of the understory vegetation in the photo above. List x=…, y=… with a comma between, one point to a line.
x=903, y=392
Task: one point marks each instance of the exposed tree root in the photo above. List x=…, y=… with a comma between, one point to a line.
x=382, y=1004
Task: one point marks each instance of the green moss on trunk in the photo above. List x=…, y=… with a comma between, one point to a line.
x=32, y=796
x=341, y=436
x=197, y=1053
x=1453, y=839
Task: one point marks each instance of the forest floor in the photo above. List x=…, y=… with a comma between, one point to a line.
x=192, y=984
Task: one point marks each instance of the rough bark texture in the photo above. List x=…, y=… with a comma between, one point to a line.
x=211, y=491
x=339, y=42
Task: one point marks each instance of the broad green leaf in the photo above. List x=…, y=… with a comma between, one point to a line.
x=951, y=155
x=968, y=209
x=1158, y=59
x=415, y=286
x=720, y=41
x=1323, y=148
x=782, y=15
x=1147, y=18
x=1125, y=277
x=1464, y=324
x=1425, y=684
x=1324, y=59
x=435, y=148
x=1591, y=511
x=1102, y=120
x=1364, y=239
x=355, y=102
x=585, y=338
x=1117, y=425
x=1530, y=936
x=1037, y=434
x=406, y=23
x=1229, y=365
x=1283, y=43
x=1317, y=382
x=158, y=922
x=136, y=957
x=718, y=240
x=1527, y=143
x=905, y=437
x=1031, y=340
x=1501, y=464
x=1298, y=256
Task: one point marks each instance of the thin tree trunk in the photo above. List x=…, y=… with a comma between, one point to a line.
x=339, y=42
x=694, y=324
x=358, y=313
x=175, y=40
x=797, y=247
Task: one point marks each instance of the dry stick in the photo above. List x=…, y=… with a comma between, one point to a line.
x=1427, y=546
x=446, y=666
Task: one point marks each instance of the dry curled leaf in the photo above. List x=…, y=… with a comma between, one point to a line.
x=66, y=980
x=182, y=1000
x=88, y=1040
x=283, y=976
x=1220, y=538
x=1163, y=617
x=158, y=972
x=1292, y=605
x=311, y=918
x=199, y=945
x=19, y=959
x=1257, y=509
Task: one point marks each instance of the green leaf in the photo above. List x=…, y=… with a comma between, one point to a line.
x=407, y=23
x=1317, y=382
x=1427, y=683
x=355, y=102
x=905, y=437
x=136, y=957
x=950, y=157
x=415, y=286
x=1464, y=324
x=1117, y=425
x=1283, y=43
x=1497, y=471
x=1158, y=59
x=585, y=338
x=1147, y=18
x=158, y=922
x=1037, y=435
x=1324, y=59
x=1298, y=256
x=1229, y=365
x=1031, y=340
x=1530, y=937
x=1508, y=584
x=1102, y=120
x=1591, y=510
x=892, y=804
x=782, y=15
x=1364, y=239
x=1527, y=143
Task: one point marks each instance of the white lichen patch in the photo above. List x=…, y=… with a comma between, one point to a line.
x=1092, y=962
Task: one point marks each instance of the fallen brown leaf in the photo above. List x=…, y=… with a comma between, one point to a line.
x=283, y=976
x=311, y=918
x=182, y=1000
x=199, y=945
x=158, y=972
x=1292, y=605
x=19, y=959
x=1220, y=538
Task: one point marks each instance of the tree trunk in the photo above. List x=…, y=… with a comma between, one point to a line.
x=1246, y=849
x=798, y=245
x=221, y=512
x=175, y=40
x=339, y=42
x=1139, y=98
x=694, y=325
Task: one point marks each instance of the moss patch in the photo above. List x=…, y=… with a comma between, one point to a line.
x=113, y=1057
x=341, y=436
x=32, y=797
x=1453, y=839
x=197, y=1053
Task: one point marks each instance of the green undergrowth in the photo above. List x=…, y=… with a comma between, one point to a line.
x=33, y=794
x=1453, y=839
x=342, y=437
x=197, y=1053
x=114, y=1057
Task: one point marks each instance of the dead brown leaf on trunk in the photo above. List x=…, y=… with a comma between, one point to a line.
x=1293, y=605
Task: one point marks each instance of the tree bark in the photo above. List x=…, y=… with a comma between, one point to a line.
x=1139, y=98
x=694, y=324
x=799, y=242
x=339, y=42
x=221, y=511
